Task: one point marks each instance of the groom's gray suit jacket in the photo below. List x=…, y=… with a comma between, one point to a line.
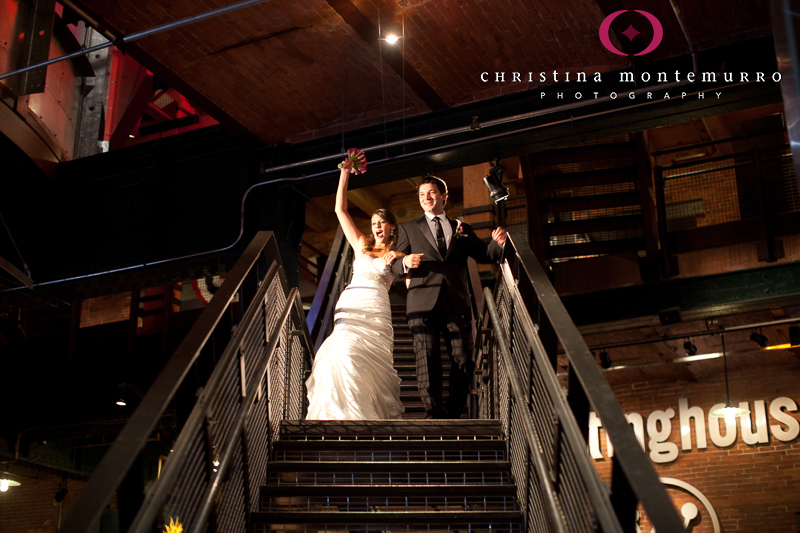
x=436, y=271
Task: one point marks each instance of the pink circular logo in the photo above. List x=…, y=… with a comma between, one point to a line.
x=605, y=29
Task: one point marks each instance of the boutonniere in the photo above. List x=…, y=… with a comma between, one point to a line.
x=460, y=231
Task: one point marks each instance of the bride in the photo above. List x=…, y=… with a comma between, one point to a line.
x=353, y=377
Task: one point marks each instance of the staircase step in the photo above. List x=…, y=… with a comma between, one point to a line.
x=597, y=247
x=584, y=203
x=388, y=490
x=592, y=225
x=396, y=444
x=389, y=430
x=396, y=450
x=587, y=178
x=431, y=466
x=426, y=521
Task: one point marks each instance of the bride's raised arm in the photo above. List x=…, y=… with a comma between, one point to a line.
x=356, y=239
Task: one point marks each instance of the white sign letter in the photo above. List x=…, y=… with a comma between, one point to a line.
x=660, y=450
x=685, y=415
x=791, y=423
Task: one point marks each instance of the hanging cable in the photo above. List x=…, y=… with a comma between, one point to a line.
x=380, y=57
x=343, y=150
x=403, y=51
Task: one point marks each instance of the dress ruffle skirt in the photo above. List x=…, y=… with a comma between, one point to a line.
x=353, y=377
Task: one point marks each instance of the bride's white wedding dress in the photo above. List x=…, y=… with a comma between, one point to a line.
x=353, y=377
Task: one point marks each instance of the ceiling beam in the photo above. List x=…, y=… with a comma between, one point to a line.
x=367, y=201
x=718, y=129
x=362, y=25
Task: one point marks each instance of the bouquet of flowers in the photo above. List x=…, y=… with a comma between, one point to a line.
x=356, y=161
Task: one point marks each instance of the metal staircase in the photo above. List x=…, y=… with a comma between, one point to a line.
x=405, y=475
x=589, y=198
x=245, y=461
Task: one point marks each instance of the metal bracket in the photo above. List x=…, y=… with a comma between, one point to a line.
x=475, y=125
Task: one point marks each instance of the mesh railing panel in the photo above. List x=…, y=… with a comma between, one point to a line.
x=572, y=501
x=231, y=512
x=105, y=309
x=297, y=392
x=728, y=190
x=536, y=514
x=577, y=506
x=240, y=490
x=558, y=487
x=257, y=446
x=185, y=497
x=246, y=473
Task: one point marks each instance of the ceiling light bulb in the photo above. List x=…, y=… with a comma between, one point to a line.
x=392, y=38
x=121, y=402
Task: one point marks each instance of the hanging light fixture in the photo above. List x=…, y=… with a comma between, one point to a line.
x=729, y=412
x=759, y=339
x=494, y=182
x=605, y=360
x=121, y=402
x=690, y=348
x=7, y=482
x=794, y=335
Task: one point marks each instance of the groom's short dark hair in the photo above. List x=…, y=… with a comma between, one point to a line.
x=436, y=180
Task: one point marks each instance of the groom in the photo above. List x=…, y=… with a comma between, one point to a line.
x=438, y=302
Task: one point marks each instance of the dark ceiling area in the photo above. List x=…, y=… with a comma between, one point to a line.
x=284, y=71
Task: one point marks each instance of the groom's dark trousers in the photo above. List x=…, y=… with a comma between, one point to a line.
x=438, y=308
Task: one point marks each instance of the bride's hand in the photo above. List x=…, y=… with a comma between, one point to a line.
x=389, y=257
x=347, y=164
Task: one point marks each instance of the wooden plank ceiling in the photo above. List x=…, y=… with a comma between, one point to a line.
x=287, y=70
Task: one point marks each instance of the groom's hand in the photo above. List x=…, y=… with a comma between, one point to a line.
x=412, y=260
x=499, y=235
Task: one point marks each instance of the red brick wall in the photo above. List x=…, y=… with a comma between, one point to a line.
x=751, y=487
x=30, y=508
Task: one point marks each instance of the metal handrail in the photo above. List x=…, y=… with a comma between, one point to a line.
x=537, y=321
x=318, y=305
x=123, y=453
x=292, y=303
x=556, y=517
x=335, y=277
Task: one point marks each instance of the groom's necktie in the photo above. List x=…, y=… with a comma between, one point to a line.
x=440, y=242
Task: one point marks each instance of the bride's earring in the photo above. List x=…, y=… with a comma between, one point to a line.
x=391, y=233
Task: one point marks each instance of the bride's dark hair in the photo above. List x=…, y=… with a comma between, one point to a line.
x=386, y=216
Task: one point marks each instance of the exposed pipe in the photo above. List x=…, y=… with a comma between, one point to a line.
x=119, y=42
x=397, y=158
x=689, y=41
x=474, y=126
